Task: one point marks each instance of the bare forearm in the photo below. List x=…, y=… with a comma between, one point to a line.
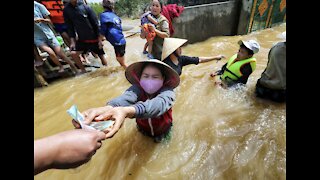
x=207, y=59
x=44, y=151
x=47, y=20
x=161, y=34
x=151, y=19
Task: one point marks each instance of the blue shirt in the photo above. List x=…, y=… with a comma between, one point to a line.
x=41, y=29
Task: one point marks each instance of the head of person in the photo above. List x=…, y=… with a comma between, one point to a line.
x=73, y=2
x=65, y=1
x=108, y=4
x=172, y=46
x=247, y=49
x=151, y=75
x=156, y=7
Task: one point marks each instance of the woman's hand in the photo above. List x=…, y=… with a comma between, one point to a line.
x=91, y=114
x=118, y=114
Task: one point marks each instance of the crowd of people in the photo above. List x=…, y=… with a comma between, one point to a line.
x=151, y=96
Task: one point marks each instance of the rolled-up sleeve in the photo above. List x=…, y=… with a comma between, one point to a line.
x=156, y=106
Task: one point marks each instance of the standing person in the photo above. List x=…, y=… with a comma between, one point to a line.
x=161, y=29
x=149, y=100
x=146, y=19
x=45, y=39
x=172, y=55
x=65, y=150
x=81, y=20
x=112, y=30
x=56, y=15
x=272, y=83
x=239, y=67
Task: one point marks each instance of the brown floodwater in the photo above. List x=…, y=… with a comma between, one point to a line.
x=217, y=133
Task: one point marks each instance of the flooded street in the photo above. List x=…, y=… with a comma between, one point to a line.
x=217, y=133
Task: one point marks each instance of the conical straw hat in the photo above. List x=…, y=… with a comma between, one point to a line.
x=133, y=73
x=170, y=45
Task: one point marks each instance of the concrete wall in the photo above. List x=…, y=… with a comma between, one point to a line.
x=198, y=23
x=244, y=16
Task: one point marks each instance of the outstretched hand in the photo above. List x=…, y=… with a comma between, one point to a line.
x=118, y=114
x=66, y=150
x=91, y=114
x=219, y=57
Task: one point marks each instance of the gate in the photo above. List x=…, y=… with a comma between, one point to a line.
x=266, y=13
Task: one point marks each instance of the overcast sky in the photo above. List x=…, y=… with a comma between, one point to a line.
x=94, y=1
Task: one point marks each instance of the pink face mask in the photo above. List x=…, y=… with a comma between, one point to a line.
x=151, y=86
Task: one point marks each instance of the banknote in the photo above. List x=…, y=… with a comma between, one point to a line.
x=98, y=125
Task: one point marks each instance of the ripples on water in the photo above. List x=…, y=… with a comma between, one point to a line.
x=217, y=133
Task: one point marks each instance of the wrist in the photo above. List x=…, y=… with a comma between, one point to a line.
x=130, y=111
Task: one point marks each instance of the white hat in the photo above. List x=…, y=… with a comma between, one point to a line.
x=133, y=73
x=251, y=44
x=170, y=45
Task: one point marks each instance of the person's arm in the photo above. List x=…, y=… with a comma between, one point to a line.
x=152, y=20
x=143, y=33
x=128, y=98
x=93, y=20
x=165, y=30
x=186, y=60
x=117, y=109
x=69, y=23
x=207, y=59
x=45, y=13
x=219, y=72
x=156, y=106
x=66, y=150
x=246, y=70
x=46, y=19
x=150, y=108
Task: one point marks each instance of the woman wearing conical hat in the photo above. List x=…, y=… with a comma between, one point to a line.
x=149, y=100
x=171, y=55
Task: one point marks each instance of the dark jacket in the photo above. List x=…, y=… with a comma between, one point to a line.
x=81, y=20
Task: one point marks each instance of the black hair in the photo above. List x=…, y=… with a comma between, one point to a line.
x=161, y=4
x=159, y=66
x=250, y=52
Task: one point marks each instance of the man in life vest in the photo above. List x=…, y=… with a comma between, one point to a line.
x=239, y=67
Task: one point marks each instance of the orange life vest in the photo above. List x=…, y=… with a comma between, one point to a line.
x=55, y=7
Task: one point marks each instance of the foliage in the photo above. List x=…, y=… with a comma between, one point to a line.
x=97, y=8
x=132, y=8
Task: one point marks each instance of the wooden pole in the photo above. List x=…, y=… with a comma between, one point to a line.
x=39, y=77
x=269, y=15
x=252, y=15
